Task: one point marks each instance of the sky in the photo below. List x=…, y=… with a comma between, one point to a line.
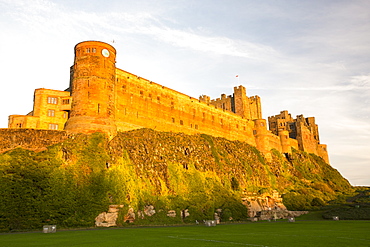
x=307, y=57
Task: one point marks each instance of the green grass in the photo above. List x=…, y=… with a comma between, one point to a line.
x=312, y=215
x=272, y=234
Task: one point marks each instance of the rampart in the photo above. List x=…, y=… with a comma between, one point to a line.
x=142, y=103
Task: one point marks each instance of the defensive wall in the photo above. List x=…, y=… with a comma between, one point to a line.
x=104, y=98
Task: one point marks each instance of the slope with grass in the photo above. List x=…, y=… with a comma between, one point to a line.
x=73, y=181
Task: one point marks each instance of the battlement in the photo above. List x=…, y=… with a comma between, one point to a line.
x=205, y=99
x=104, y=98
x=240, y=89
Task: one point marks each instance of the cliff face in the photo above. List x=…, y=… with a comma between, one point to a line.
x=152, y=153
x=36, y=140
x=196, y=176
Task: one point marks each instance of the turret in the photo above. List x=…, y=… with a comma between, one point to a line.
x=93, y=88
x=262, y=137
x=284, y=140
x=241, y=102
x=246, y=107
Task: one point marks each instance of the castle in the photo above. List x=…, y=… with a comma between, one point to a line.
x=104, y=98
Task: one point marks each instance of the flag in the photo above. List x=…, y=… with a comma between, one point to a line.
x=237, y=75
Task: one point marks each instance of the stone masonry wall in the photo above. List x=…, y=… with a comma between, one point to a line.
x=142, y=103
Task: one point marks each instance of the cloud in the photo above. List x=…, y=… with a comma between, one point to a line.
x=47, y=16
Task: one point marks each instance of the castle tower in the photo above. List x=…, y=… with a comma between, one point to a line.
x=246, y=107
x=93, y=88
x=241, y=102
x=262, y=136
x=284, y=140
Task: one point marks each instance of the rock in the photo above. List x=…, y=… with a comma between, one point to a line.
x=149, y=210
x=108, y=219
x=171, y=213
x=130, y=216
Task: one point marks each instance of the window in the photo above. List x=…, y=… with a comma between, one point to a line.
x=254, y=132
x=52, y=100
x=87, y=50
x=51, y=113
x=196, y=126
x=181, y=122
x=173, y=120
x=65, y=101
x=53, y=126
x=93, y=50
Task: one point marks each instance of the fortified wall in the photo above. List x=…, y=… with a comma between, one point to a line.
x=104, y=98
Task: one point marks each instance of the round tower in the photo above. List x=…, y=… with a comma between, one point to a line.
x=284, y=140
x=93, y=88
x=262, y=135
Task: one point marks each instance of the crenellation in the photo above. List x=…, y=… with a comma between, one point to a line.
x=104, y=98
x=205, y=99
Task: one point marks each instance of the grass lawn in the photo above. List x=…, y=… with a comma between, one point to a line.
x=299, y=233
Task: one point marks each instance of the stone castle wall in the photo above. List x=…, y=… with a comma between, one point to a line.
x=142, y=103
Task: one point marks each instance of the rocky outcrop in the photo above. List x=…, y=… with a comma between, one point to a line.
x=266, y=202
x=268, y=207
x=31, y=139
x=107, y=219
x=275, y=214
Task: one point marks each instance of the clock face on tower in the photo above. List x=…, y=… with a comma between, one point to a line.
x=105, y=53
